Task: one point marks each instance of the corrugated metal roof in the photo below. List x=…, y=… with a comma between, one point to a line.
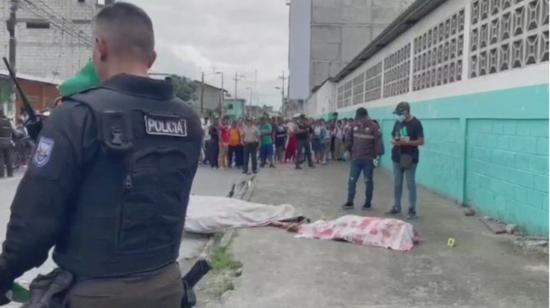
x=402, y=23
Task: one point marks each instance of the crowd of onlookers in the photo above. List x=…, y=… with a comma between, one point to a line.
x=231, y=144
x=240, y=143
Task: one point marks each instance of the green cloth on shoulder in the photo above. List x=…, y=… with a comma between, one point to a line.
x=85, y=79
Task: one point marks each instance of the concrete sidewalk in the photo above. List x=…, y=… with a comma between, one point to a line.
x=483, y=270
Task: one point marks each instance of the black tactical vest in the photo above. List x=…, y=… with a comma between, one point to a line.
x=129, y=212
x=5, y=129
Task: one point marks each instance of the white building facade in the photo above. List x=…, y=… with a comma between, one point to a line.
x=54, y=37
x=326, y=34
x=476, y=74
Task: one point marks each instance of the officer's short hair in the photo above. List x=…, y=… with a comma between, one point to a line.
x=128, y=29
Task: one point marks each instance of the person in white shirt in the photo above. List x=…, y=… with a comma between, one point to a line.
x=339, y=145
x=206, y=141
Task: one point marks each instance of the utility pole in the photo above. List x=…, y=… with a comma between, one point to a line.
x=283, y=78
x=236, y=79
x=222, y=96
x=255, y=84
x=202, y=93
x=249, y=102
x=11, y=23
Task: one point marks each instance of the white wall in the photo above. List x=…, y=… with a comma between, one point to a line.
x=299, y=49
x=518, y=77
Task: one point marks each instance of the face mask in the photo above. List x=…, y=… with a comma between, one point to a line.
x=400, y=118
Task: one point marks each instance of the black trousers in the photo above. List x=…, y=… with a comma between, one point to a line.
x=6, y=159
x=251, y=151
x=303, y=146
x=239, y=160
x=235, y=154
x=206, y=152
x=214, y=149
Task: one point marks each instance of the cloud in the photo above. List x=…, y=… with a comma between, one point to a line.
x=245, y=36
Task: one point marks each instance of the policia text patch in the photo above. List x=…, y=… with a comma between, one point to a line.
x=165, y=126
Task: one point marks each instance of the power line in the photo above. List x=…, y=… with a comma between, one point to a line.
x=55, y=72
x=53, y=13
x=56, y=25
x=55, y=22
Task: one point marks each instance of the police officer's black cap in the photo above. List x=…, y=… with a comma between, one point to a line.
x=361, y=113
x=402, y=107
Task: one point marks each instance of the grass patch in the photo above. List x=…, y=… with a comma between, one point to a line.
x=222, y=260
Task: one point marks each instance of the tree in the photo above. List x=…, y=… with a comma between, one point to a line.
x=184, y=88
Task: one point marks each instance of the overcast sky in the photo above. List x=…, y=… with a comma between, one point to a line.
x=243, y=36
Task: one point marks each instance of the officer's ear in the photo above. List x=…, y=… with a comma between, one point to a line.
x=101, y=49
x=153, y=58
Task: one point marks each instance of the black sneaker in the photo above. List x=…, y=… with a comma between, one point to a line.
x=411, y=216
x=298, y=168
x=366, y=207
x=255, y=171
x=271, y=166
x=312, y=166
x=393, y=211
x=347, y=206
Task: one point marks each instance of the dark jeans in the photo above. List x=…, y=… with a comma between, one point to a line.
x=206, y=152
x=367, y=167
x=303, y=146
x=266, y=154
x=239, y=160
x=251, y=151
x=235, y=154
x=6, y=159
x=214, y=149
x=410, y=174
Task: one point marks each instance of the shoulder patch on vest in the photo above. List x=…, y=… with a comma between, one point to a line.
x=163, y=125
x=43, y=152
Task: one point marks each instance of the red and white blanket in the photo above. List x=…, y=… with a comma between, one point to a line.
x=370, y=231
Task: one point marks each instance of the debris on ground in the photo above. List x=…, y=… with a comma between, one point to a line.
x=494, y=225
x=530, y=244
x=468, y=211
x=512, y=229
x=369, y=231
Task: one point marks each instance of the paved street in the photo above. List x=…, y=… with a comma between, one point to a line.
x=207, y=182
x=483, y=270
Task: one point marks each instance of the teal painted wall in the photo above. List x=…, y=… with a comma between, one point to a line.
x=488, y=150
x=234, y=108
x=507, y=170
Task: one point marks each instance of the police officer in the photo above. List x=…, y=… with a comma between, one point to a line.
x=109, y=183
x=365, y=146
x=6, y=146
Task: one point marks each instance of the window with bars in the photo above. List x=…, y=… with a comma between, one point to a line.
x=517, y=35
x=359, y=89
x=397, y=70
x=439, y=61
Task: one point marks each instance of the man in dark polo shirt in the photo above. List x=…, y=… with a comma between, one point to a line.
x=407, y=136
